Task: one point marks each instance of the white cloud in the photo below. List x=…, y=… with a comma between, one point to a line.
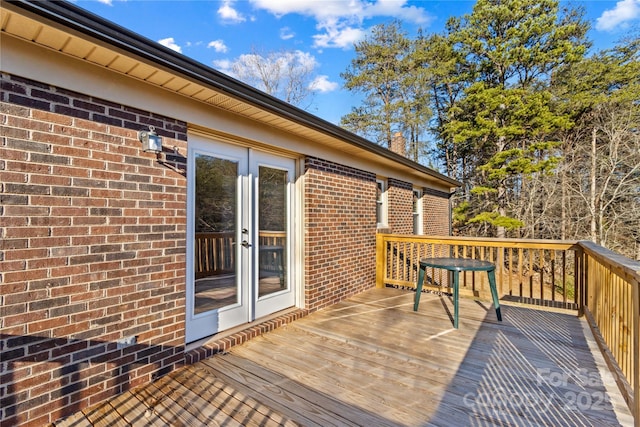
x=223, y=65
x=218, y=46
x=171, y=44
x=107, y=2
x=338, y=37
x=322, y=84
x=286, y=33
x=229, y=14
x=625, y=10
x=339, y=21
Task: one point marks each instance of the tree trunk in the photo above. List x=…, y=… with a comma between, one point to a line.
x=563, y=205
x=501, y=232
x=592, y=190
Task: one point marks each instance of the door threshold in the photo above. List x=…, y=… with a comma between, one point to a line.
x=223, y=341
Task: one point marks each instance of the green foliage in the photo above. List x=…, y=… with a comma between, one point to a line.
x=602, y=150
x=479, y=190
x=461, y=211
x=394, y=84
x=544, y=137
x=377, y=72
x=497, y=220
x=505, y=112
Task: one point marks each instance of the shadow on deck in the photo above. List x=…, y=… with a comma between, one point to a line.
x=371, y=360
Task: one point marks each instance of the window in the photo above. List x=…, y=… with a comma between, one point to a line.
x=381, y=203
x=417, y=211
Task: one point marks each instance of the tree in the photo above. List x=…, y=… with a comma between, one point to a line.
x=601, y=174
x=286, y=75
x=505, y=114
x=445, y=77
x=377, y=72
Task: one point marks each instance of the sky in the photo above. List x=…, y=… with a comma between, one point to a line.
x=318, y=32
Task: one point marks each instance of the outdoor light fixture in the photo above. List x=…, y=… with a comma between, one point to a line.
x=151, y=142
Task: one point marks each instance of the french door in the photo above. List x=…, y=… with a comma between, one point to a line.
x=239, y=234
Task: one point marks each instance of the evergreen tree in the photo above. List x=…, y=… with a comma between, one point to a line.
x=505, y=115
x=377, y=72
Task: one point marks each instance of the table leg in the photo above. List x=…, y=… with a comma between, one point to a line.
x=416, y=298
x=494, y=293
x=456, y=282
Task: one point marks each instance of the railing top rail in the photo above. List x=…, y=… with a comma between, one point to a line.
x=484, y=241
x=272, y=233
x=215, y=233
x=621, y=265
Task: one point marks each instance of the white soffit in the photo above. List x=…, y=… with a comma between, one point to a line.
x=77, y=46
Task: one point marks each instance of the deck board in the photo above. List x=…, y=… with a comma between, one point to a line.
x=129, y=407
x=372, y=360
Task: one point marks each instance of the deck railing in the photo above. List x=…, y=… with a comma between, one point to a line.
x=572, y=275
x=539, y=272
x=611, y=300
x=215, y=252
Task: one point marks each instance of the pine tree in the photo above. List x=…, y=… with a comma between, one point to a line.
x=377, y=72
x=505, y=115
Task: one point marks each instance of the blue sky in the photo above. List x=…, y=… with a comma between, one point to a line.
x=218, y=33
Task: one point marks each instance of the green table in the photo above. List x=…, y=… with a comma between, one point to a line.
x=456, y=265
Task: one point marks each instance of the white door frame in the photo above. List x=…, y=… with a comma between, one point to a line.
x=249, y=306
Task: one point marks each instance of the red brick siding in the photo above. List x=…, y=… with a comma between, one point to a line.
x=92, y=249
x=436, y=213
x=400, y=197
x=340, y=238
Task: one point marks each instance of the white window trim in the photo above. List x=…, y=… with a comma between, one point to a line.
x=419, y=212
x=383, y=203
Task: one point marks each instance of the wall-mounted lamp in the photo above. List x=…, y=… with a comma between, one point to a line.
x=151, y=142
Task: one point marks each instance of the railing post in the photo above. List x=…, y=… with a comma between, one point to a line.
x=580, y=286
x=635, y=294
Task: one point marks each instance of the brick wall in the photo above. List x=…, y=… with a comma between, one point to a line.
x=400, y=197
x=340, y=239
x=436, y=213
x=92, y=250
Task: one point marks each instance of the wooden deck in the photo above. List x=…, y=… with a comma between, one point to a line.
x=372, y=361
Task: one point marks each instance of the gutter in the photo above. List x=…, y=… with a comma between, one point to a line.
x=94, y=26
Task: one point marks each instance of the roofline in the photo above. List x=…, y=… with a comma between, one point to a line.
x=85, y=22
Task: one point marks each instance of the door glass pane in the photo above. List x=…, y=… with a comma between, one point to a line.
x=272, y=236
x=216, y=201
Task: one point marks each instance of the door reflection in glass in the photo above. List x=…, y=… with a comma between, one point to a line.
x=272, y=236
x=216, y=201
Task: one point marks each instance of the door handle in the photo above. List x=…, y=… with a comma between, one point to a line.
x=246, y=244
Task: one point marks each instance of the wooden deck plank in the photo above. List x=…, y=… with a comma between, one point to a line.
x=191, y=403
x=237, y=407
x=129, y=407
x=356, y=385
x=103, y=415
x=411, y=382
x=372, y=360
x=166, y=408
x=450, y=340
x=75, y=420
x=303, y=404
x=475, y=359
x=330, y=379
